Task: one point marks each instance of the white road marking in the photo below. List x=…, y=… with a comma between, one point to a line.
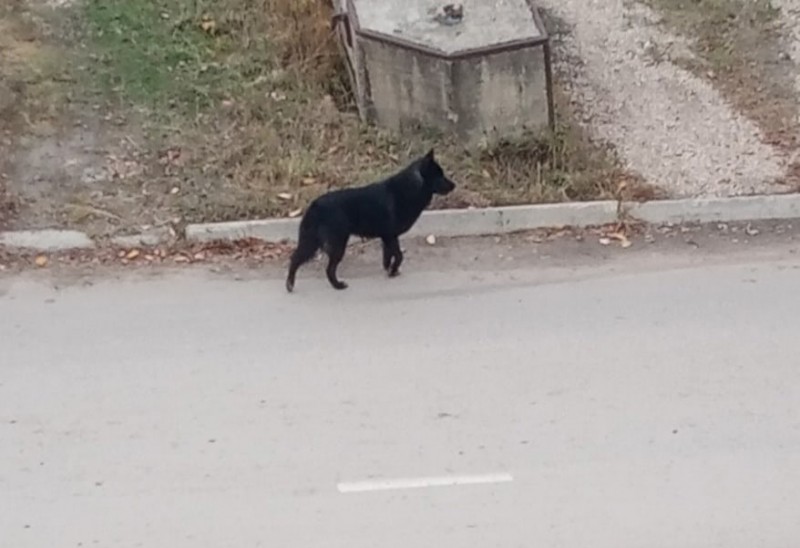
x=417, y=483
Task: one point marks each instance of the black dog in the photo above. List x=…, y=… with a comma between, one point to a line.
x=384, y=210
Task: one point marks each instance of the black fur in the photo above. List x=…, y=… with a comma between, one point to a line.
x=384, y=210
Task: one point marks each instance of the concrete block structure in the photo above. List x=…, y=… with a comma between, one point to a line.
x=483, y=76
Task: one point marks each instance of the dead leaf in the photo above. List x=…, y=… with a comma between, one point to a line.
x=431, y=239
x=604, y=241
x=285, y=196
x=295, y=213
x=41, y=261
x=309, y=181
x=132, y=254
x=208, y=25
x=621, y=238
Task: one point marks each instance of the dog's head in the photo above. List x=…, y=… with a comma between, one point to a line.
x=433, y=175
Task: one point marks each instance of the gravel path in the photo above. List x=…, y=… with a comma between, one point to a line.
x=790, y=14
x=666, y=124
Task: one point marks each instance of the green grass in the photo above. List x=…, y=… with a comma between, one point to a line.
x=155, y=53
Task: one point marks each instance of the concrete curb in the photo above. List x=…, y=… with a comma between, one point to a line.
x=461, y=222
x=709, y=210
x=46, y=240
x=444, y=223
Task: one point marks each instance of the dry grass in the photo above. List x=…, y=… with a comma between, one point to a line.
x=233, y=109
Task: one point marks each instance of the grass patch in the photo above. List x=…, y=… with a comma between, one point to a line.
x=740, y=46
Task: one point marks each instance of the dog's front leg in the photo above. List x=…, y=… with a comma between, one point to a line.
x=392, y=256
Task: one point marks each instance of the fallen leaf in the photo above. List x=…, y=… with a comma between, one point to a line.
x=41, y=261
x=431, y=239
x=622, y=239
x=309, y=181
x=208, y=25
x=604, y=241
x=132, y=254
x=285, y=196
x=295, y=213
x=750, y=231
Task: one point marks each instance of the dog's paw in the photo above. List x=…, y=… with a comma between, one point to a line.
x=394, y=273
x=289, y=286
x=339, y=285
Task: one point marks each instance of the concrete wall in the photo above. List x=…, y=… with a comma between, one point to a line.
x=488, y=97
x=406, y=90
x=501, y=95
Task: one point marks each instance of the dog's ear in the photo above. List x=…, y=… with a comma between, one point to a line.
x=429, y=156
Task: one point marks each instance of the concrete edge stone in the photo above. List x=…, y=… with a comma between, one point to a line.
x=46, y=240
x=708, y=210
x=150, y=238
x=442, y=223
x=274, y=230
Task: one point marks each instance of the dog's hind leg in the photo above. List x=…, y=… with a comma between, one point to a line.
x=335, y=246
x=391, y=248
x=307, y=247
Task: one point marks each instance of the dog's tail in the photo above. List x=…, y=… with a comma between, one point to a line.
x=308, y=243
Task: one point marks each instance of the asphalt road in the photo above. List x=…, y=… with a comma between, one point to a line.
x=650, y=403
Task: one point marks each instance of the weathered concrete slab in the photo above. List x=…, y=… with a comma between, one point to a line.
x=46, y=240
x=485, y=23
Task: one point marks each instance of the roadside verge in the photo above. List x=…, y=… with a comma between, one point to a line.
x=462, y=222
